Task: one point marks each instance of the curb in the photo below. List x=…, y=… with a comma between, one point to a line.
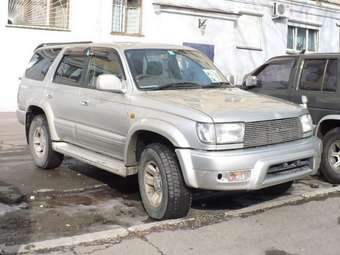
x=50, y=245
x=118, y=234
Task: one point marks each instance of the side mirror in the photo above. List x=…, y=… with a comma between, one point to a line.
x=110, y=82
x=304, y=101
x=251, y=81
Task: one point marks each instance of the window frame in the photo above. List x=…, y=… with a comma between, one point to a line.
x=302, y=64
x=73, y=52
x=42, y=27
x=91, y=54
x=308, y=28
x=140, y=33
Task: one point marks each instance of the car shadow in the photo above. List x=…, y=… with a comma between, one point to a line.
x=127, y=186
x=234, y=200
x=202, y=200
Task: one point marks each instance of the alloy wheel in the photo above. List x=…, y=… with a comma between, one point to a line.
x=153, y=184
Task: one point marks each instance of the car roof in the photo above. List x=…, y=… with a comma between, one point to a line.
x=116, y=45
x=317, y=55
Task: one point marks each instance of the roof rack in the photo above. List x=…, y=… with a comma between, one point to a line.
x=61, y=43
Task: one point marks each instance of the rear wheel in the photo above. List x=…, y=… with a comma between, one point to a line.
x=161, y=184
x=330, y=163
x=40, y=144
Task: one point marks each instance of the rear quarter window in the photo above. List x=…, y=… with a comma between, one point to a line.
x=40, y=63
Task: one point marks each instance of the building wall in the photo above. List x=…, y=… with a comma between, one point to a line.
x=161, y=22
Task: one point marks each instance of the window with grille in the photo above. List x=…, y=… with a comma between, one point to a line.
x=126, y=16
x=300, y=38
x=39, y=13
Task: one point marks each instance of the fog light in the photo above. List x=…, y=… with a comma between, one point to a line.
x=238, y=176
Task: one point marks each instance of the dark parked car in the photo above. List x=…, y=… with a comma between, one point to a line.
x=317, y=77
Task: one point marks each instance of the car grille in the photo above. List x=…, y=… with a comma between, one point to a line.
x=271, y=132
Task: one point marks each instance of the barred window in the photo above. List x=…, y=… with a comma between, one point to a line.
x=39, y=13
x=299, y=38
x=126, y=16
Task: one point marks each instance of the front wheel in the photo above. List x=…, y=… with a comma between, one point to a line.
x=330, y=163
x=164, y=194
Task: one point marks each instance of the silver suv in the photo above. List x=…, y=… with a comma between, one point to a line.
x=165, y=113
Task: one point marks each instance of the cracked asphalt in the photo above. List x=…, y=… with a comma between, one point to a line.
x=77, y=198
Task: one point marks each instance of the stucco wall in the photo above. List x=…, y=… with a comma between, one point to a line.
x=91, y=20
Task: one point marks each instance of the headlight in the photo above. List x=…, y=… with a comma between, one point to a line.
x=306, y=123
x=229, y=133
x=206, y=132
x=220, y=133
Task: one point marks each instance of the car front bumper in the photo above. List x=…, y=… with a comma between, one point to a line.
x=202, y=168
x=21, y=116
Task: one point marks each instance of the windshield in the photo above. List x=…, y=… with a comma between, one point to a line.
x=155, y=69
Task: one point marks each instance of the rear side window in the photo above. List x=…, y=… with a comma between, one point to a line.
x=312, y=74
x=40, y=63
x=275, y=75
x=319, y=75
x=330, y=80
x=71, y=70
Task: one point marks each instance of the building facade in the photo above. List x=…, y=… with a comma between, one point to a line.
x=237, y=35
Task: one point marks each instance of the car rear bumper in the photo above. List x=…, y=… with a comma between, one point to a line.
x=267, y=165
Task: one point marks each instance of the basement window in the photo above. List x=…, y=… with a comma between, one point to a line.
x=46, y=14
x=126, y=17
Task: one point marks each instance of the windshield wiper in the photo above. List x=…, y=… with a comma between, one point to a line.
x=181, y=85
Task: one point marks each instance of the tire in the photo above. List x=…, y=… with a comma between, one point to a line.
x=277, y=189
x=40, y=144
x=175, y=200
x=327, y=169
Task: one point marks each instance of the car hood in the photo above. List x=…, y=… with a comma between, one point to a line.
x=225, y=105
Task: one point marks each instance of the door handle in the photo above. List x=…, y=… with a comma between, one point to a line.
x=49, y=96
x=84, y=102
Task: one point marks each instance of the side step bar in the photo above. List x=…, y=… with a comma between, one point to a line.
x=99, y=160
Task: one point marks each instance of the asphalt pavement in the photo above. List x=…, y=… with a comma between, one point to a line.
x=306, y=229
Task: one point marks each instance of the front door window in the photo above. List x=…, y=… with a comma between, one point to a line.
x=275, y=75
